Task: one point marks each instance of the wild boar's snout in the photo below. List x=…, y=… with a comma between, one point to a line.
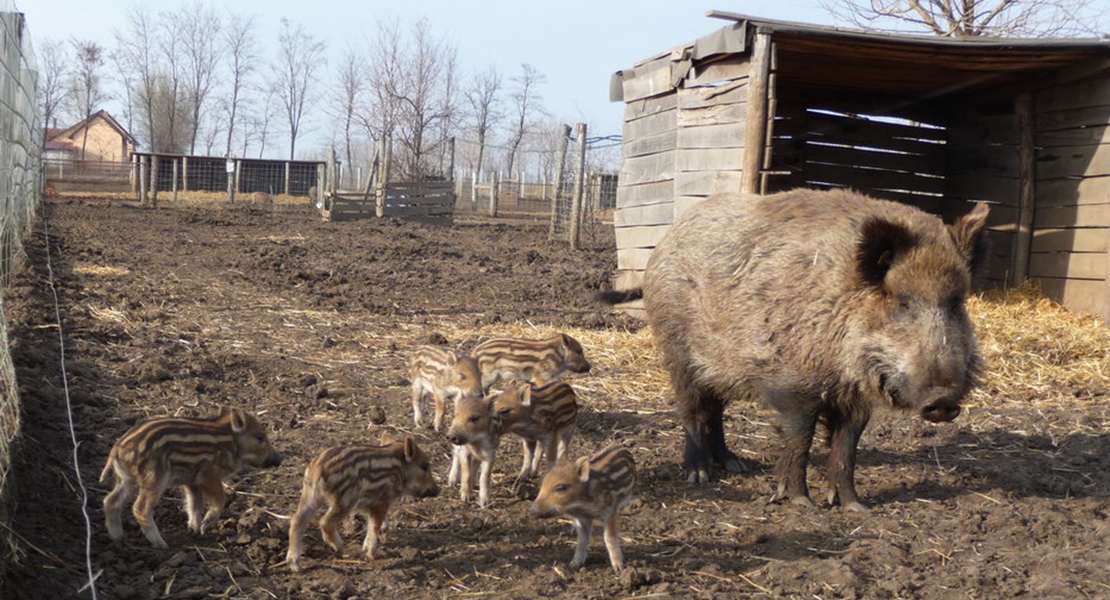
x=273, y=460
x=942, y=409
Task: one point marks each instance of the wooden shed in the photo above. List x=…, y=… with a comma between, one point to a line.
x=761, y=106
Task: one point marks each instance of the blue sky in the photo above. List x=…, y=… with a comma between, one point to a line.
x=576, y=44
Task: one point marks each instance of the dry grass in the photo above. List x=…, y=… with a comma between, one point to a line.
x=196, y=198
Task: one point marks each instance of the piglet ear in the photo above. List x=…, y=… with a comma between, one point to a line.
x=387, y=439
x=237, y=418
x=881, y=244
x=583, y=466
x=526, y=395
x=452, y=359
x=410, y=448
x=967, y=233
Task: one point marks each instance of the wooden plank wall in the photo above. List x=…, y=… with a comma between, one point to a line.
x=1070, y=257
x=679, y=147
x=982, y=166
x=426, y=201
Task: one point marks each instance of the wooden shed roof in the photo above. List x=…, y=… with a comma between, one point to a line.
x=894, y=64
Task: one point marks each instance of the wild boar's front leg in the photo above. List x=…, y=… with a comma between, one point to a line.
x=844, y=433
x=375, y=519
x=585, y=528
x=796, y=429
x=702, y=413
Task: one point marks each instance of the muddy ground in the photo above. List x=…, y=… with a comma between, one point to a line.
x=179, y=309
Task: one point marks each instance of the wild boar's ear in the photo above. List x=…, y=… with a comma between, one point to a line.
x=410, y=448
x=583, y=466
x=238, y=420
x=967, y=232
x=881, y=243
x=526, y=395
x=452, y=359
x=387, y=439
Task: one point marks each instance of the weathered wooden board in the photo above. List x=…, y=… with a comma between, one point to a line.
x=1074, y=136
x=683, y=203
x=1087, y=93
x=1071, y=240
x=413, y=211
x=1084, y=215
x=711, y=136
x=1073, y=265
x=1072, y=118
x=736, y=114
x=971, y=186
x=648, y=169
x=1071, y=192
x=661, y=213
x=709, y=160
x=728, y=69
x=655, y=124
x=1081, y=295
x=648, y=80
x=870, y=179
x=650, y=144
x=735, y=92
x=1073, y=161
x=995, y=160
x=633, y=258
x=646, y=193
x=638, y=109
x=981, y=130
x=874, y=158
x=647, y=236
x=705, y=183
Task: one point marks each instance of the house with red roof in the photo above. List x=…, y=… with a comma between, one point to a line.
x=99, y=137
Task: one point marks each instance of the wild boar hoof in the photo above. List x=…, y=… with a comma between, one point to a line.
x=576, y=564
x=803, y=501
x=857, y=507
x=698, y=476
x=733, y=465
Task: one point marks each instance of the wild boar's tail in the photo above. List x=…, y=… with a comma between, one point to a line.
x=107, y=468
x=618, y=296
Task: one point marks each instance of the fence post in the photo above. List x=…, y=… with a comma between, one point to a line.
x=559, y=175
x=320, y=181
x=230, y=168
x=185, y=173
x=331, y=172
x=493, y=193
x=154, y=180
x=579, y=188
x=238, y=171
x=142, y=180
x=175, y=180
x=134, y=173
x=383, y=178
x=474, y=190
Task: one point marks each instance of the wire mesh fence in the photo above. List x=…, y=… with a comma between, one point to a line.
x=20, y=186
x=576, y=203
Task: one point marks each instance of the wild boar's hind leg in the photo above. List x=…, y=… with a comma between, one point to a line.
x=194, y=505
x=329, y=526
x=375, y=520
x=724, y=457
x=844, y=433
x=213, y=490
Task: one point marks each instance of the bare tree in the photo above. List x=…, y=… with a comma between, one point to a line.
x=87, y=83
x=171, y=75
x=385, y=68
x=198, y=27
x=972, y=18
x=347, y=97
x=53, y=88
x=300, y=56
x=125, y=76
x=525, y=101
x=483, y=101
x=419, y=78
x=239, y=40
x=135, y=48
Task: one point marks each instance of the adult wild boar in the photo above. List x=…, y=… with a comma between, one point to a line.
x=825, y=304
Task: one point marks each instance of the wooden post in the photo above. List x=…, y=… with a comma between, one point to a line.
x=1027, y=176
x=154, y=180
x=134, y=173
x=238, y=176
x=559, y=175
x=331, y=172
x=755, y=135
x=474, y=190
x=451, y=159
x=142, y=180
x=386, y=152
x=579, y=188
x=185, y=173
x=229, y=166
x=320, y=183
x=493, y=182
x=174, y=186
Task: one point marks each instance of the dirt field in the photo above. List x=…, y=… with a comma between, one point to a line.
x=308, y=324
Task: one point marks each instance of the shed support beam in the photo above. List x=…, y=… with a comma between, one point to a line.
x=755, y=136
x=1027, y=173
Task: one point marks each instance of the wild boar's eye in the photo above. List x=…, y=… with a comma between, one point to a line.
x=504, y=411
x=562, y=488
x=261, y=438
x=475, y=418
